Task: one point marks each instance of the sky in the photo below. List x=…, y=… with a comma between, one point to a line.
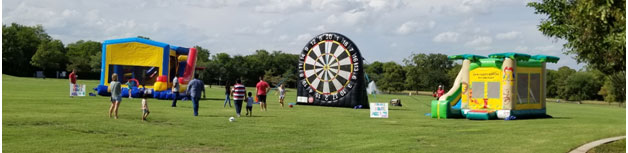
x=383, y=30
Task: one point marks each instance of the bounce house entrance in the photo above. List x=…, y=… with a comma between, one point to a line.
x=485, y=95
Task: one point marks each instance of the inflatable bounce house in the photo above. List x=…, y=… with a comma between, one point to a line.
x=151, y=64
x=498, y=86
x=331, y=73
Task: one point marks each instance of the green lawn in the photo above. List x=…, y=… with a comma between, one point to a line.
x=612, y=147
x=39, y=116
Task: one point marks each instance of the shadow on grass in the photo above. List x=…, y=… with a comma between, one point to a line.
x=398, y=109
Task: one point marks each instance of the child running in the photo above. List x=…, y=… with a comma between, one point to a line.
x=145, y=111
x=282, y=94
x=249, y=105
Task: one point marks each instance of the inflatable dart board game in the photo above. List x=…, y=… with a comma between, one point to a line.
x=331, y=73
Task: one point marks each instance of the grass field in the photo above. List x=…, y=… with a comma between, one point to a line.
x=612, y=147
x=38, y=116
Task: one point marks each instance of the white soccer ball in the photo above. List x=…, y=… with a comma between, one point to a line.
x=231, y=119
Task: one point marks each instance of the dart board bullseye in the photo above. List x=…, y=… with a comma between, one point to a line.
x=330, y=72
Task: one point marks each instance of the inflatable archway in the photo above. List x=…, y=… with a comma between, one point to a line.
x=331, y=73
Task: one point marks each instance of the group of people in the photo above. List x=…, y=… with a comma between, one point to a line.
x=239, y=94
x=194, y=89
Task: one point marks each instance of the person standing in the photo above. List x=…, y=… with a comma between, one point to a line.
x=195, y=87
x=262, y=88
x=116, y=94
x=282, y=94
x=175, y=91
x=145, y=110
x=227, y=95
x=72, y=78
x=440, y=91
x=239, y=94
x=130, y=84
x=249, y=105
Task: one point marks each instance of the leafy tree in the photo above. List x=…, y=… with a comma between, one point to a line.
x=610, y=92
x=551, y=80
x=427, y=71
x=453, y=73
x=221, y=62
x=203, y=54
x=374, y=70
x=581, y=86
x=143, y=37
x=595, y=32
x=19, y=44
x=81, y=53
x=392, y=78
x=202, y=60
x=95, y=62
x=285, y=67
x=49, y=56
x=560, y=81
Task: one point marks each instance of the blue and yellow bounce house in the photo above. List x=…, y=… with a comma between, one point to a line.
x=503, y=86
x=151, y=64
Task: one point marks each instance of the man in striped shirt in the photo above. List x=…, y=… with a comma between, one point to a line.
x=239, y=95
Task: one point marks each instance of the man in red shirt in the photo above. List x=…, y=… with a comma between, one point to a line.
x=262, y=88
x=72, y=78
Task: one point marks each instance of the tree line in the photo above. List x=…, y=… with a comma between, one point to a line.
x=27, y=49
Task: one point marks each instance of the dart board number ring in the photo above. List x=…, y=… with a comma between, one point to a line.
x=328, y=66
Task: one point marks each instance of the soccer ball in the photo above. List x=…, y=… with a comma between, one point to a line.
x=231, y=119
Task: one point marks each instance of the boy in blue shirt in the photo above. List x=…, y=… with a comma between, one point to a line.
x=249, y=105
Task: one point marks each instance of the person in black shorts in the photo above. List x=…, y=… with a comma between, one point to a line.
x=262, y=88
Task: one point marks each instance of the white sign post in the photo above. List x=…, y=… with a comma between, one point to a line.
x=379, y=110
x=77, y=89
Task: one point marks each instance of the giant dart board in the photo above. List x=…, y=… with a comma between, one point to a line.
x=330, y=73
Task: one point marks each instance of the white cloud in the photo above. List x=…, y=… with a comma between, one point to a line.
x=384, y=5
x=480, y=41
x=282, y=38
x=548, y=50
x=446, y=37
x=349, y=18
x=269, y=23
x=280, y=6
x=333, y=5
x=521, y=49
x=250, y=30
x=413, y=26
x=304, y=37
x=508, y=35
x=287, y=25
x=320, y=28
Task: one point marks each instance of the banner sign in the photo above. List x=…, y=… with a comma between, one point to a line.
x=379, y=110
x=77, y=89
